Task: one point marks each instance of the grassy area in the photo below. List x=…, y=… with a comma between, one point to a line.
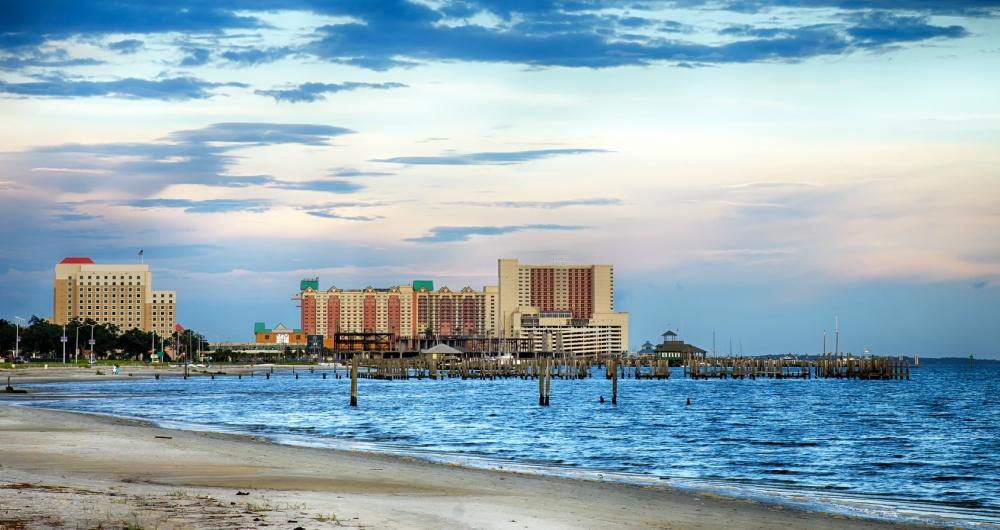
x=80, y=364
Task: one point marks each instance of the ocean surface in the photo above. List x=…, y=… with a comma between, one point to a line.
x=924, y=450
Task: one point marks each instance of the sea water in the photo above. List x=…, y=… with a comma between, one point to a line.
x=925, y=450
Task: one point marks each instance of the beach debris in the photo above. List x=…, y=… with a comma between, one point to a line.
x=243, y=493
x=164, y=437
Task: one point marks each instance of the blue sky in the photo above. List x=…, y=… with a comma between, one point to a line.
x=751, y=167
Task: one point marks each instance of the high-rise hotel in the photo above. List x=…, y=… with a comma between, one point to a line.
x=562, y=307
x=118, y=294
x=558, y=307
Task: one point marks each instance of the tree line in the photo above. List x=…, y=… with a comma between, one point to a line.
x=41, y=339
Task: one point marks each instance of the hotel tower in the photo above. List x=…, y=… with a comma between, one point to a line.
x=118, y=294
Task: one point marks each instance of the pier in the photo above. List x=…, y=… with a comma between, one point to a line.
x=824, y=367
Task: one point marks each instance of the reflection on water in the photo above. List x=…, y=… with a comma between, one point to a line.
x=928, y=448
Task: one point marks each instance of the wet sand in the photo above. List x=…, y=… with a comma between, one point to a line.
x=73, y=470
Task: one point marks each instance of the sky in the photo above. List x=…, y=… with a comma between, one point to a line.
x=754, y=169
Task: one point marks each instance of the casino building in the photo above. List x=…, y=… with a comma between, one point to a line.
x=565, y=308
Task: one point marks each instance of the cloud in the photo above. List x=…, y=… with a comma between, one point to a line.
x=351, y=172
x=880, y=28
x=770, y=184
x=326, y=214
x=329, y=186
x=255, y=56
x=308, y=92
x=953, y=7
x=550, y=36
x=127, y=46
x=448, y=234
x=487, y=158
x=88, y=17
x=206, y=206
x=261, y=133
x=70, y=217
x=171, y=89
x=399, y=33
x=34, y=56
x=546, y=205
x=194, y=156
x=195, y=57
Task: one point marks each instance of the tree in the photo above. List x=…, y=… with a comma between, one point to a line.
x=7, y=334
x=40, y=337
x=135, y=343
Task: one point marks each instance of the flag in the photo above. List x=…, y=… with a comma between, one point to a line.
x=140, y=252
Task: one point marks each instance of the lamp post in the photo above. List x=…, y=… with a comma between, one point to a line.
x=76, y=352
x=63, y=339
x=92, y=342
x=17, y=336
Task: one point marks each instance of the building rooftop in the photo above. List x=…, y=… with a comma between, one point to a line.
x=77, y=260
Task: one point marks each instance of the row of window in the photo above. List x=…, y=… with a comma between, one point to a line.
x=102, y=290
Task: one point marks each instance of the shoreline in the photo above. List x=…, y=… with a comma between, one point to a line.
x=47, y=449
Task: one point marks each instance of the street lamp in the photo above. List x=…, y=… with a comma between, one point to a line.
x=76, y=353
x=63, y=340
x=92, y=342
x=17, y=336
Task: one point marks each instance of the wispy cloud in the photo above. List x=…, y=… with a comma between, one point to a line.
x=81, y=171
x=329, y=186
x=448, y=234
x=170, y=89
x=487, y=158
x=261, y=133
x=195, y=56
x=126, y=47
x=546, y=205
x=539, y=34
x=309, y=92
x=255, y=56
x=193, y=156
x=206, y=206
x=348, y=172
x=327, y=214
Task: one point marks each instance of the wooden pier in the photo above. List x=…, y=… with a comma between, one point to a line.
x=824, y=367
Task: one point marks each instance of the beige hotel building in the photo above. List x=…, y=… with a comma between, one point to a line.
x=118, y=294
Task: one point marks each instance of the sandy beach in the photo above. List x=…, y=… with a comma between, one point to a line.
x=72, y=470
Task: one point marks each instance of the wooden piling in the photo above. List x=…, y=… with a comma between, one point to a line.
x=541, y=384
x=354, y=382
x=614, y=382
x=548, y=385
